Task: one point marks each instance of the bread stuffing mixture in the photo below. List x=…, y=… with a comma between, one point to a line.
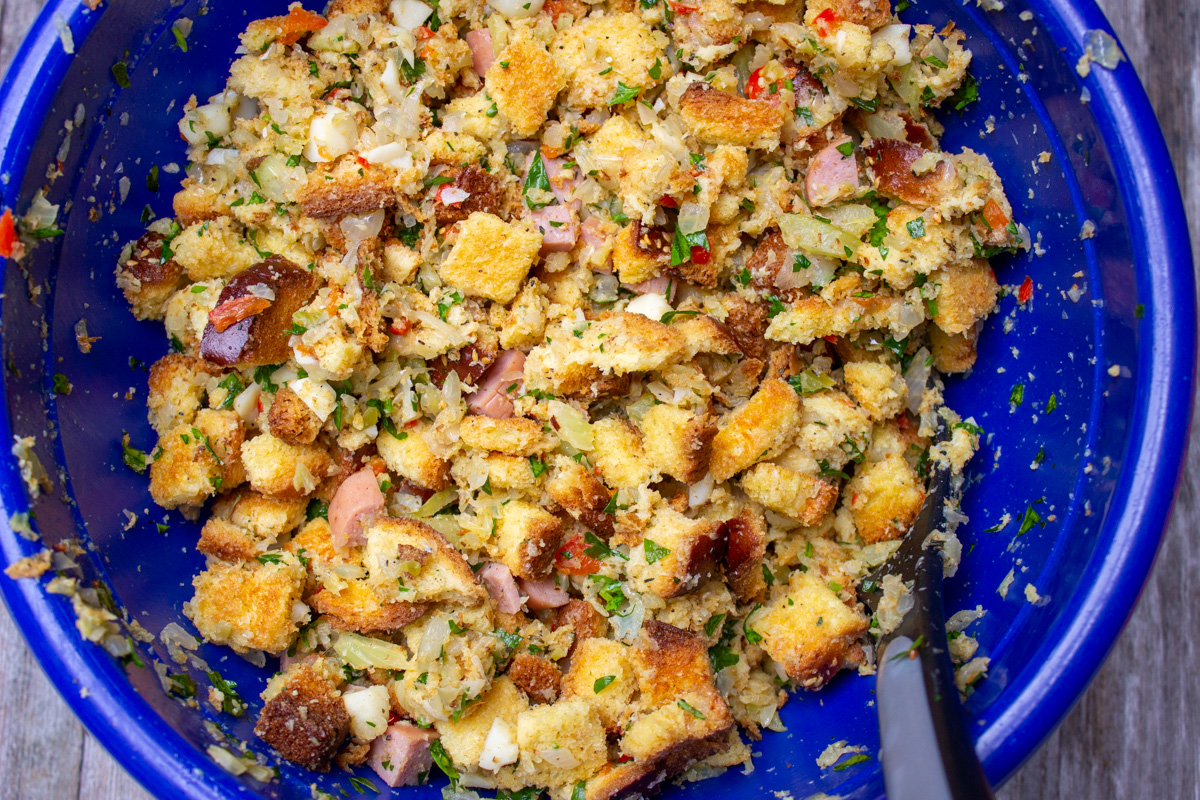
x=549, y=376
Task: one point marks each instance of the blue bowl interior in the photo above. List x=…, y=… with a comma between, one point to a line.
x=1097, y=526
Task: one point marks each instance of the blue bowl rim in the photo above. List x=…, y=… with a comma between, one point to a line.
x=1070, y=657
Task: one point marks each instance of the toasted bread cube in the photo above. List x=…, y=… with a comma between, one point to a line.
x=187, y=472
x=599, y=52
x=572, y=725
x=640, y=252
x=797, y=495
x=354, y=606
x=669, y=662
x=630, y=343
x=878, y=388
x=717, y=117
x=829, y=424
x=305, y=720
x=345, y=187
x=968, y=294
x=705, y=335
x=464, y=740
x=594, y=662
x=503, y=472
x=400, y=262
x=758, y=429
x=265, y=517
x=884, y=498
x=678, y=442
x=619, y=454
x=809, y=630
x=527, y=539
x=538, y=677
x=515, y=436
x=228, y=542
x=279, y=469
x=524, y=82
x=813, y=317
x=747, y=544
x=694, y=547
x=616, y=139
x=176, y=390
x=491, y=257
x=695, y=726
x=147, y=281
x=443, y=574
x=525, y=324
x=291, y=420
x=953, y=352
x=214, y=248
x=411, y=458
x=251, y=605
x=581, y=494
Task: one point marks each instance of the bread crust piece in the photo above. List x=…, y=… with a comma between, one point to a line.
x=527, y=539
x=717, y=117
x=582, y=495
x=802, y=497
x=306, y=721
x=446, y=576
x=536, y=676
x=678, y=442
x=291, y=420
x=354, y=189
x=747, y=537
x=176, y=389
x=968, y=294
x=146, y=280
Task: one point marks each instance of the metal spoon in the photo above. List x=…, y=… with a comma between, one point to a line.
x=926, y=748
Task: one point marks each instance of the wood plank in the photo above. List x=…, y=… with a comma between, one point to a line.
x=102, y=778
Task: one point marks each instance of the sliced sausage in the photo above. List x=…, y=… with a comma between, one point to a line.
x=356, y=500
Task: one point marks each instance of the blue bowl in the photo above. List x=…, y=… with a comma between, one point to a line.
x=1117, y=361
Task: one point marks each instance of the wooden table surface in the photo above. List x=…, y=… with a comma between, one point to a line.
x=1138, y=725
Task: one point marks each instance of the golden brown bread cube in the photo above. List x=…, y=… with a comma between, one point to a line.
x=693, y=548
x=809, y=630
x=198, y=460
x=601, y=674
x=464, y=738
x=968, y=294
x=759, y=429
x=524, y=82
x=619, y=453
x=410, y=458
x=250, y=605
x=599, y=52
x=800, y=496
x=629, y=343
x=214, y=248
x=640, y=252
x=717, y=117
x=444, y=575
x=345, y=187
x=747, y=544
x=538, y=677
x=878, y=388
x=491, y=257
x=527, y=538
x=515, y=436
x=222, y=539
x=668, y=662
x=678, y=441
x=279, y=469
x=306, y=720
x=570, y=724
x=176, y=388
x=147, y=280
x=953, y=352
x=291, y=420
x=884, y=498
x=581, y=494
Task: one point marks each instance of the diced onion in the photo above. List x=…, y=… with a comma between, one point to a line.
x=452, y=194
x=698, y=493
x=214, y=118
x=436, y=503
x=572, y=426
x=362, y=652
x=854, y=218
x=332, y=134
x=651, y=304
x=561, y=757
x=409, y=13
x=895, y=37
x=813, y=236
x=368, y=709
x=693, y=217
x=916, y=377
x=277, y=180
x=1102, y=49
x=515, y=9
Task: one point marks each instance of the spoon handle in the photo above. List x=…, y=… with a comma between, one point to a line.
x=926, y=747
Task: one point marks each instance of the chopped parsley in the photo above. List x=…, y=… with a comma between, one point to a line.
x=654, y=552
x=624, y=94
x=603, y=683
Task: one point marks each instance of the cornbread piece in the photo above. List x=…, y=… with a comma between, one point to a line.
x=524, y=82
x=490, y=257
x=809, y=630
x=345, y=187
x=249, y=606
x=717, y=117
x=599, y=53
x=677, y=554
x=279, y=469
x=527, y=539
x=884, y=498
x=198, y=459
x=757, y=430
x=305, y=720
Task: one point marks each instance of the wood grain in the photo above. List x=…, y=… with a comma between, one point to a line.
x=1136, y=731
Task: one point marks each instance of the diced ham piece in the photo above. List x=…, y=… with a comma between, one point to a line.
x=480, y=42
x=593, y=233
x=831, y=175
x=355, y=500
x=543, y=594
x=502, y=587
x=401, y=754
x=493, y=398
x=658, y=285
x=559, y=226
